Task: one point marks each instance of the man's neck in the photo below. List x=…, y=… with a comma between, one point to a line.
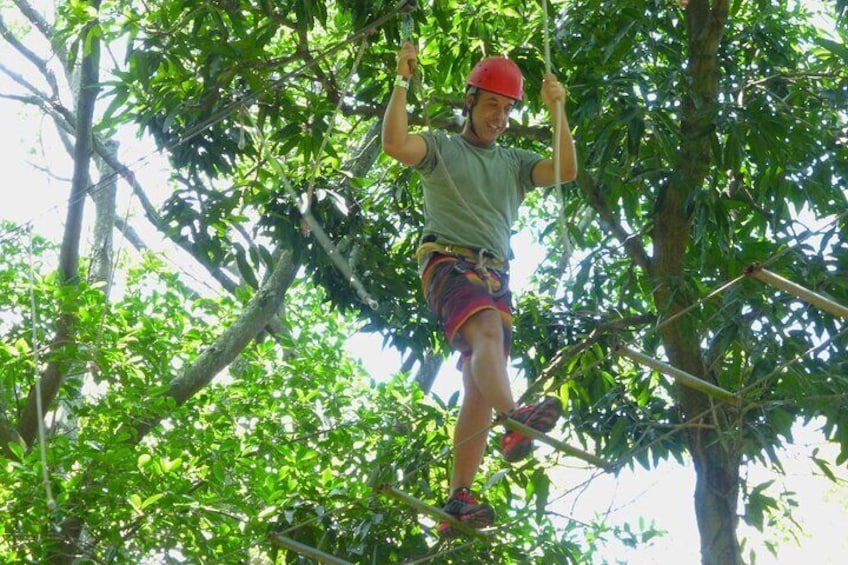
x=471, y=138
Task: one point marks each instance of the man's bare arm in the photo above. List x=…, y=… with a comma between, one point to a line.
x=397, y=141
x=544, y=173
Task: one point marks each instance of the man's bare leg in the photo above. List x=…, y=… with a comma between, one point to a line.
x=486, y=388
x=484, y=333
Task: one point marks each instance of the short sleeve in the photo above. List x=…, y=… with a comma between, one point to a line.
x=527, y=161
x=430, y=160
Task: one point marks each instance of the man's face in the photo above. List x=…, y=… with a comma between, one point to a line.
x=490, y=116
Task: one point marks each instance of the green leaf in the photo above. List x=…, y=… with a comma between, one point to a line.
x=245, y=270
x=135, y=501
x=151, y=500
x=824, y=466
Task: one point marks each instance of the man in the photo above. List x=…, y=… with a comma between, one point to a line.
x=472, y=190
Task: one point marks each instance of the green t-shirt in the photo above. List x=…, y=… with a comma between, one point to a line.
x=491, y=181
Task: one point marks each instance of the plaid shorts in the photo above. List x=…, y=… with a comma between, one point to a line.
x=455, y=291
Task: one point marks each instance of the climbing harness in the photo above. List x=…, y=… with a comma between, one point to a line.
x=481, y=261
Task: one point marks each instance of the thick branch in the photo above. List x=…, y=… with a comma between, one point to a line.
x=130, y=234
x=104, y=197
x=262, y=308
x=51, y=381
x=428, y=370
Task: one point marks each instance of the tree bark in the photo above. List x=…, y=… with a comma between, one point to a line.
x=104, y=197
x=262, y=308
x=53, y=376
x=427, y=372
x=716, y=461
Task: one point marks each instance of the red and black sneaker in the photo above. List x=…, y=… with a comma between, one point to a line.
x=467, y=510
x=541, y=417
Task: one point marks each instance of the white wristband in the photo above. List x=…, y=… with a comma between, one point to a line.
x=400, y=81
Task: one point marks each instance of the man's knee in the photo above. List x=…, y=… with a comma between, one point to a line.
x=484, y=325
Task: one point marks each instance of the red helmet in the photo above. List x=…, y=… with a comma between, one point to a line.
x=499, y=75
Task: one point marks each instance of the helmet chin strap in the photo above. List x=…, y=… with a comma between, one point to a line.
x=466, y=110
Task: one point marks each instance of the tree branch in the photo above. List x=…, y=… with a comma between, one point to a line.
x=130, y=234
x=260, y=310
x=21, y=81
x=35, y=18
x=53, y=376
x=45, y=28
x=28, y=54
x=428, y=370
x=32, y=100
x=632, y=244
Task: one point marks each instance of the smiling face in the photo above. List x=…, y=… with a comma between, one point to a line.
x=488, y=117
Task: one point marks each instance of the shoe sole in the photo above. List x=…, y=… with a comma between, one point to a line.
x=482, y=518
x=543, y=418
x=519, y=450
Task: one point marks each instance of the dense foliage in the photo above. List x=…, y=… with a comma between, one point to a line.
x=712, y=139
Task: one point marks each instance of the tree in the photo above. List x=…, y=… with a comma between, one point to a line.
x=124, y=486
x=705, y=134
x=686, y=174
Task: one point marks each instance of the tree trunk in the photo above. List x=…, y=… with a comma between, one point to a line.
x=60, y=551
x=716, y=496
x=428, y=370
x=104, y=197
x=51, y=381
x=716, y=461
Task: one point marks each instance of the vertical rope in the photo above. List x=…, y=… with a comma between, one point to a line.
x=546, y=36
x=557, y=113
x=51, y=502
x=406, y=21
x=557, y=145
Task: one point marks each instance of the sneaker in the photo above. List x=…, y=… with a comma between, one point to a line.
x=541, y=417
x=465, y=508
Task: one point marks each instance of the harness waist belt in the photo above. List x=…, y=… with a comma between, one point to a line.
x=478, y=256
